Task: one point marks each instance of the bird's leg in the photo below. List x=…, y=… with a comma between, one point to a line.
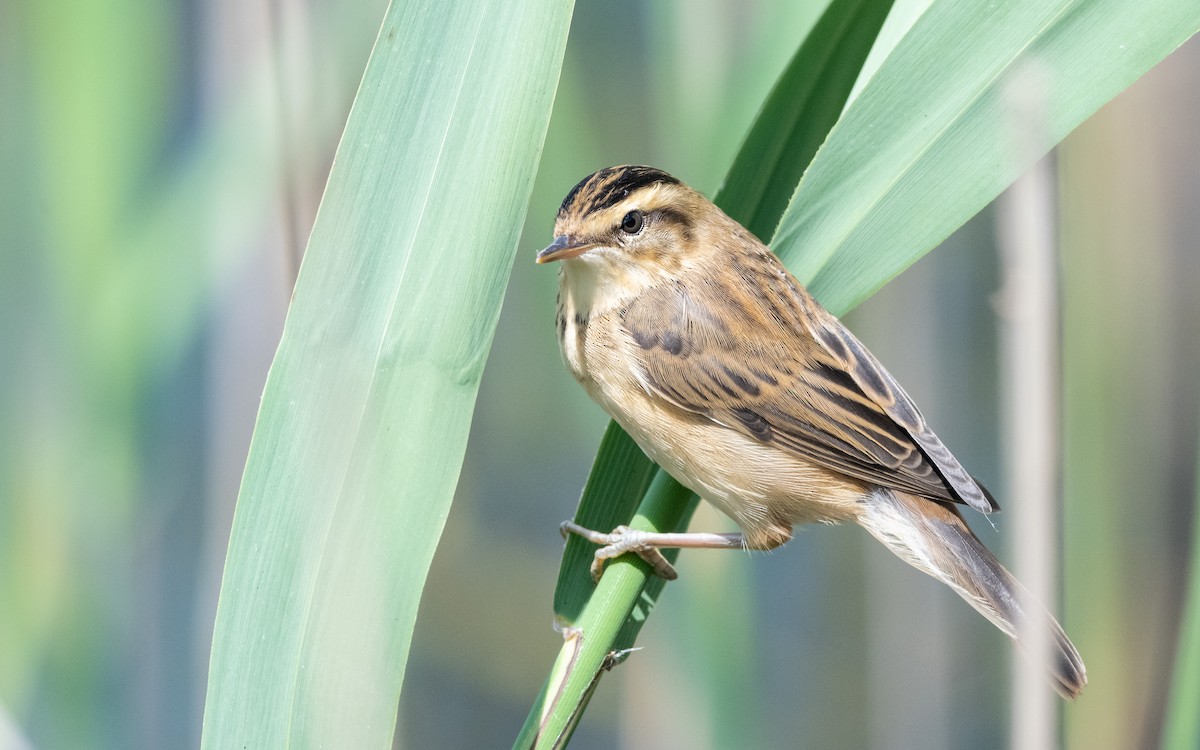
x=647, y=545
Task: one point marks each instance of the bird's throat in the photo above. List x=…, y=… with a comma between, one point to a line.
x=592, y=287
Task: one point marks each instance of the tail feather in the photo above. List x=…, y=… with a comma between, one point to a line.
x=933, y=538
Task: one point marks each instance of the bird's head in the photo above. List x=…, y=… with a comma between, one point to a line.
x=627, y=221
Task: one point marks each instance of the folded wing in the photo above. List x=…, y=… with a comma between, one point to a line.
x=789, y=374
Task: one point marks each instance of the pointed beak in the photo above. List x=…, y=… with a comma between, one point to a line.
x=562, y=248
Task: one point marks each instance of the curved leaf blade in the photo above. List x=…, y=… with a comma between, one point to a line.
x=798, y=113
x=924, y=146
x=364, y=418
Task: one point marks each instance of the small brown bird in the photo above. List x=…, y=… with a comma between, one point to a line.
x=691, y=334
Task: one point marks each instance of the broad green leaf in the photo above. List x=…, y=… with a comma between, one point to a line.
x=925, y=145
x=799, y=111
x=364, y=419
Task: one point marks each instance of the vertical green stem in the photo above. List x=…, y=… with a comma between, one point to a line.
x=1183, y=712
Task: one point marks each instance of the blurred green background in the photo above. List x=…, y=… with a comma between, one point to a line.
x=160, y=164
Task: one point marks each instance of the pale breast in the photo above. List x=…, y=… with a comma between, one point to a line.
x=572, y=335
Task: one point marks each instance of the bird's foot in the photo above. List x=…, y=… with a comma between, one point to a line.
x=619, y=541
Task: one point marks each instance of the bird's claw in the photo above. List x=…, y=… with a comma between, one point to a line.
x=619, y=541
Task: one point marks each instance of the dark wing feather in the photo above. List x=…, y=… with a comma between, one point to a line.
x=886, y=393
x=787, y=373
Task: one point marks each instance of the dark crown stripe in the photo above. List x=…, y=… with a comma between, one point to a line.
x=610, y=186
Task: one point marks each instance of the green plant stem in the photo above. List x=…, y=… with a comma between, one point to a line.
x=667, y=506
x=1183, y=717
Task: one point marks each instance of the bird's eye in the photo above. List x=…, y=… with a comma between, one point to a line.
x=632, y=223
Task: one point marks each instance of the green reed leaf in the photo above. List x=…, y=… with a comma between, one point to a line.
x=363, y=423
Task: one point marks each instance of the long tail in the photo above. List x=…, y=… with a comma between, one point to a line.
x=933, y=537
